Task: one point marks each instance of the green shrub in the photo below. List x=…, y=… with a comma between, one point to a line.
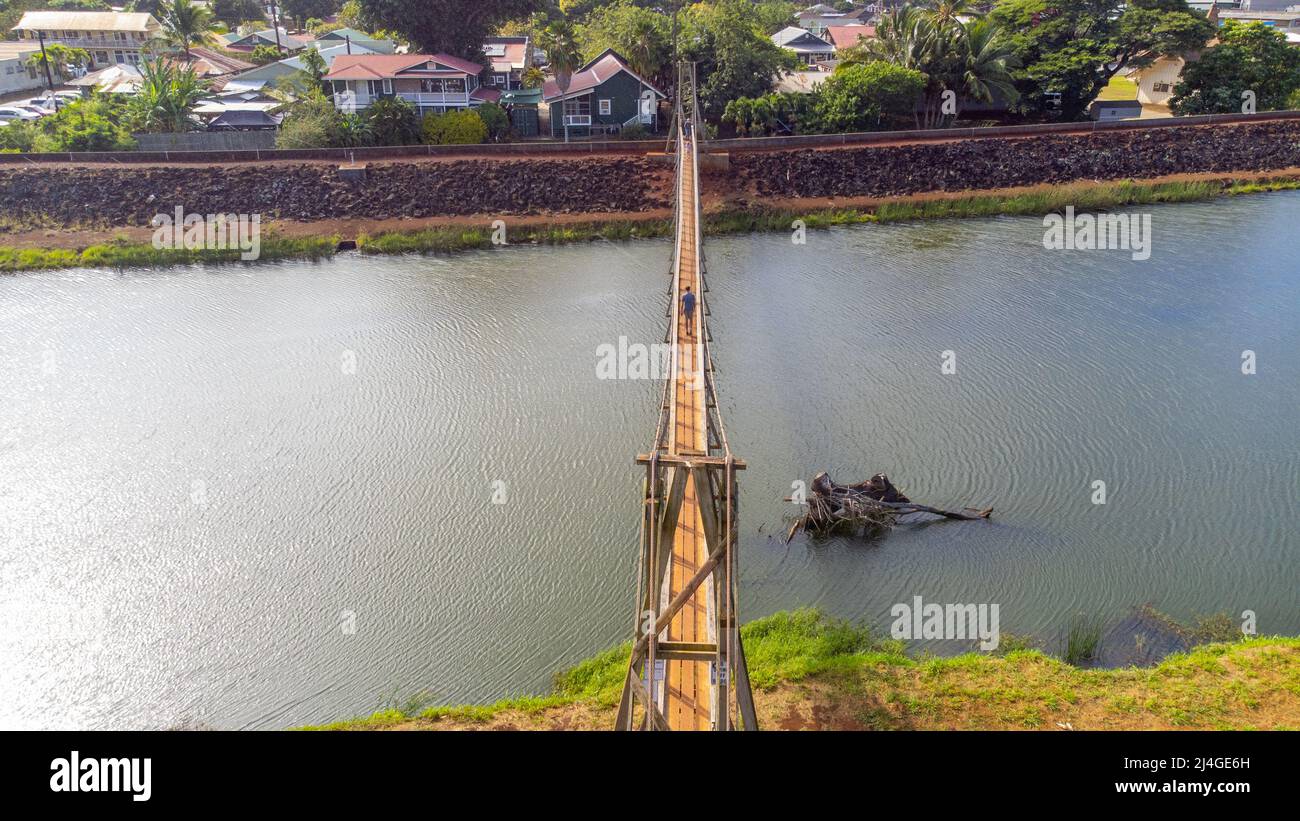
x=310, y=123
x=496, y=119
x=265, y=54
x=462, y=127
x=393, y=121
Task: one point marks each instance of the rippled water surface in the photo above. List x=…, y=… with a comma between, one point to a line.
x=252, y=497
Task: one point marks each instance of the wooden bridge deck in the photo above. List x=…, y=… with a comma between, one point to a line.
x=687, y=686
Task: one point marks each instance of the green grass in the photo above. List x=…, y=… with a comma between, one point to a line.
x=1119, y=88
x=125, y=254
x=1013, y=687
x=1082, y=640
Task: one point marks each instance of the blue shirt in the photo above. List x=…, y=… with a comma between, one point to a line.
x=688, y=302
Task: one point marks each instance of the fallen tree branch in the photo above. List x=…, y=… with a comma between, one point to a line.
x=870, y=508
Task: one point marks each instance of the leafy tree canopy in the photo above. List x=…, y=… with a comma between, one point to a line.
x=455, y=27
x=1254, y=58
x=1074, y=47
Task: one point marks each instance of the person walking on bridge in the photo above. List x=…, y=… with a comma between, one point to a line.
x=688, y=308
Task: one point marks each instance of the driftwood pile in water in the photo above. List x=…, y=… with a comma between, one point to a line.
x=870, y=507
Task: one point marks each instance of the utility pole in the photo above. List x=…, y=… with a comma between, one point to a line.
x=275, y=26
x=45, y=60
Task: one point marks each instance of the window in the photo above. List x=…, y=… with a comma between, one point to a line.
x=119, y=57
x=431, y=86
x=606, y=107
x=577, y=108
x=455, y=85
x=501, y=79
x=101, y=57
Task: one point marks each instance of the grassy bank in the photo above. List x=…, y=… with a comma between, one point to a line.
x=455, y=239
x=126, y=254
x=811, y=672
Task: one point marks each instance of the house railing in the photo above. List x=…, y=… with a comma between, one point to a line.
x=99, y=43
x=354, y=101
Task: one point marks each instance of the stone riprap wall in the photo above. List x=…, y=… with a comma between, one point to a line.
x=125, y=195
x=1003, y=163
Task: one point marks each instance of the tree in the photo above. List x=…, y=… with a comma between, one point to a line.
x=234, y=12
x=166, y=99
x=64, y=61
x=310, y=122
x=533, y=77
x=184, y=24
x=1074, y=47
x=1254, y=58
x=393, y=121
x=867, y=96
x=264, y=53
x=562, y=51
x=496, y=119
x=969, y=60
x=733, y=57
x=642, y=36
x=302, y=10
x=456, y=127
x=93, y=124
x=455, y=27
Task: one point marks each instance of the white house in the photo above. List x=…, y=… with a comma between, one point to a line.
x=15, y=75
x=109, y=36
x=809, y=47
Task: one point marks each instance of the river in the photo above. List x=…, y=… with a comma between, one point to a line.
x=267, y=495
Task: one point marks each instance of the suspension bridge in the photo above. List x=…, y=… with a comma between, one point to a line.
x=687, y=670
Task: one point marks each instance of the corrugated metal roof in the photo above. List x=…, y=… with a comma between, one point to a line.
x=380, y=66
x=591, y=75
x=86, y=21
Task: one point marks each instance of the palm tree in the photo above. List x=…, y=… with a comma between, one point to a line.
x=184, y=24
x=644, y=50
x=989, y=57
x=972, y=59
x=564, y=56
x=64, y=61
x=166, y=99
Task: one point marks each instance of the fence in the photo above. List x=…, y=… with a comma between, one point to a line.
x=208, y=141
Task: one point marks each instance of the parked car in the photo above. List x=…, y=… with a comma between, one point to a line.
x=35, y=109
x=13, y=112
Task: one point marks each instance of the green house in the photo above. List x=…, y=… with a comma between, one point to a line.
x=602, y=98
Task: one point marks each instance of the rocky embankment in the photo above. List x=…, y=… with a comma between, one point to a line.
x=1005, y=163
x=131, y=196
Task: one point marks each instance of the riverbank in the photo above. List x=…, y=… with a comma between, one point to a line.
x=125, y=249
x=814, y=673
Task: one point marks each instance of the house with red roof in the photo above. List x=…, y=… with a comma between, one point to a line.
x=508, y=59
x=433, y=83
x=843, y=37
x=603, y=97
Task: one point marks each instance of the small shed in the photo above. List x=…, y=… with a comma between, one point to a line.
x=1104, y=110
x=522, y=105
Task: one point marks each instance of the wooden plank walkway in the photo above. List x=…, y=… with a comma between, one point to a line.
x=687, y=686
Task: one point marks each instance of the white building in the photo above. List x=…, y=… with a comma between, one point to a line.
x=109, y=36
x=810, y=48
x=15, y=75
